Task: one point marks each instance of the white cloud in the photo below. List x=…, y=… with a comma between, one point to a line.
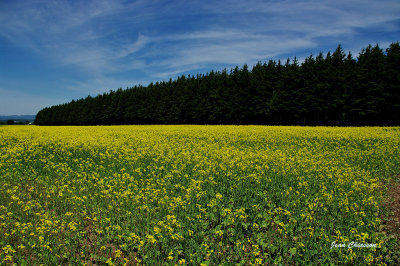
x=226, y=47
x=90, y=35
x=133, y=47
x=103, y=39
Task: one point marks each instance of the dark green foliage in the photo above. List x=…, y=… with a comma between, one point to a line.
x=335, y=89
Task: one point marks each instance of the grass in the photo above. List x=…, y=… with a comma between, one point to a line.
x=196, y=194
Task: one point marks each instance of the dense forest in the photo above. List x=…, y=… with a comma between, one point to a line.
x=331, y=89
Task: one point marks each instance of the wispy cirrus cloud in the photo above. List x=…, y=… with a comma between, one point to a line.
x=107, y=36
x=104, y=43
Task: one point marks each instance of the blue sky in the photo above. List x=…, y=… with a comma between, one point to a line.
x=55, y=51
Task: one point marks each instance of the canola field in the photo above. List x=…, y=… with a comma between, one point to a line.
x=195, y=195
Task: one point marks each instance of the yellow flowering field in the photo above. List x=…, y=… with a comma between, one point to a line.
x=195, y=194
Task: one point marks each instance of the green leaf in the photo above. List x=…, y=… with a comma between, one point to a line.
x=245, y=225
x=264, y=224
x=292, y=251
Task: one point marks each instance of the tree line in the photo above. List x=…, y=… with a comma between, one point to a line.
x=331, y=89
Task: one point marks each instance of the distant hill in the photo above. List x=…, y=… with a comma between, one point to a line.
x=18, y=117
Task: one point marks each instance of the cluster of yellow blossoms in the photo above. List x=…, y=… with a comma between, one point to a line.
x=193, y=194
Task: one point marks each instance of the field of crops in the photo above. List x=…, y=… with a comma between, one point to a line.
x=195, y=194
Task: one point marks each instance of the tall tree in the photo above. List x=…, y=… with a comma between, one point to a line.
x=334, y=89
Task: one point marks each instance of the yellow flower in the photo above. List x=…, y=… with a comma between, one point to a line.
x=151, y=239
x=109, y=261
x=118, y=253
x=157, y=230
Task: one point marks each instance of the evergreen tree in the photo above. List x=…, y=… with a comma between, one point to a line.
x=331, y=90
